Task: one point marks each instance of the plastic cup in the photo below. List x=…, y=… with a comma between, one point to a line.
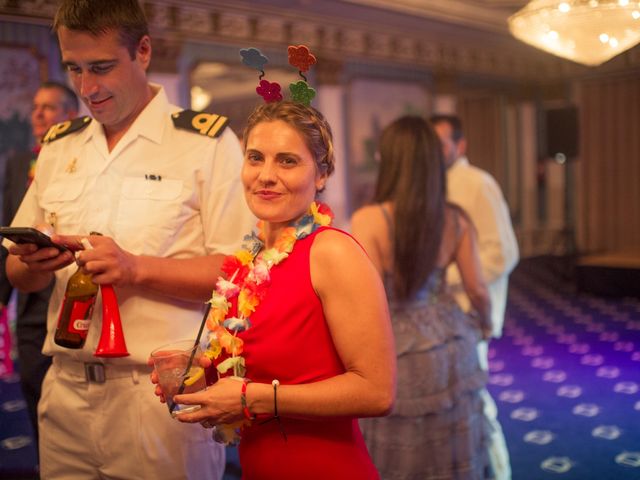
x=178, y=366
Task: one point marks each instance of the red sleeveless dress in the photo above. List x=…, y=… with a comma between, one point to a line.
x=289, y=340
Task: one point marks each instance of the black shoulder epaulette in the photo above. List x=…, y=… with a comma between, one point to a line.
x=60, y=130
x=208, y=124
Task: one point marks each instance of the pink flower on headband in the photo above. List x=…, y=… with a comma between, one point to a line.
x=300, y=57
x=269, y=91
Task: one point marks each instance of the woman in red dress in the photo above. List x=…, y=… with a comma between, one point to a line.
x=310, y=324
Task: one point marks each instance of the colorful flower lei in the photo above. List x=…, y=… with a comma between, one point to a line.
x=248, y=273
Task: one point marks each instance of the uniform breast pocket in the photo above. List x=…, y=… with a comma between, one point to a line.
x=62, y=206
x=150, y=203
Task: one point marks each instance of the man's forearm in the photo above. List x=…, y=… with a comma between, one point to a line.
x=189, y=279
x=24, y=280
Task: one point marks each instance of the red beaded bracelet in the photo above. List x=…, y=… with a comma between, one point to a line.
x=243, y=400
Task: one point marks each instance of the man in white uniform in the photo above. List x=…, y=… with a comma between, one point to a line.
x=163, y=188
x=479, y=195
x=53, y=103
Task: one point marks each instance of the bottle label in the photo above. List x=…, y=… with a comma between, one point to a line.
x=80, y=325
x=80, y=316
x=73, y=320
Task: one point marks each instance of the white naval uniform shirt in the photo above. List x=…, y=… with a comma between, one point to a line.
x=479, y=195
x=194, y=207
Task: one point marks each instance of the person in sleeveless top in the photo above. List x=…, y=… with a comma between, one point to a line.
x=435, y=430
x=319, y=349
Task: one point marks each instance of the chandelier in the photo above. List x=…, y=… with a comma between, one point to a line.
x=585, y=31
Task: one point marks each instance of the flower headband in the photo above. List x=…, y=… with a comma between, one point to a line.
x=299, y=57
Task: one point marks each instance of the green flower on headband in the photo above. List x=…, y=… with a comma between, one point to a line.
x=301, y=92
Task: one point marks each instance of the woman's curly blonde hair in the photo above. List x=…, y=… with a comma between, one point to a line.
x=311, y=124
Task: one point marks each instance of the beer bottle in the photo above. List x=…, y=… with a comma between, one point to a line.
x=77, y=307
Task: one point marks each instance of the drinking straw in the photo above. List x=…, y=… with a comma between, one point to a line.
x=193, y=354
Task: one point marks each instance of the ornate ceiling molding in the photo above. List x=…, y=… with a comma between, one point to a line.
x=349, y=42
x=233, y=22
x=489, y=16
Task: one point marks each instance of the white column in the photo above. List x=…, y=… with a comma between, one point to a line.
x=331, y=104
x=555, y=195
x=171, y=84
x=444, y=103
x=529, y=193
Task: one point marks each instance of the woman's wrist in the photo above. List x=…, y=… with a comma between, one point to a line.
x=246, y=412
x=258, y=398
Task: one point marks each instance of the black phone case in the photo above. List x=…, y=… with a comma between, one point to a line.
x=29, y=235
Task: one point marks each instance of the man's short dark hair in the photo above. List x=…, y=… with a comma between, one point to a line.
x=98, y=17
x=70, y=99
x=453, y=121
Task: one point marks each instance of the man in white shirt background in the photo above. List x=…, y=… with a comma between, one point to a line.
x=478, y=193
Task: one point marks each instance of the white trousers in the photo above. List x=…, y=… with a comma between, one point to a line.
x=118, y=430
x=498, y=452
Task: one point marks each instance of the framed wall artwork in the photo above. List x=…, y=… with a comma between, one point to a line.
x=372, y=105
x=21, y=72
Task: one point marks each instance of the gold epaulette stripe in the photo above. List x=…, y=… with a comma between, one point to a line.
x=220, y=122
x=209, y=124
x=60, y=130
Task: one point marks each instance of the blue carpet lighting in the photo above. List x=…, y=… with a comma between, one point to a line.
x=566, y=378
x=18, y=458
x=17, y=450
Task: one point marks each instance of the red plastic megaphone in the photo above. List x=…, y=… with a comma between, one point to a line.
x=111, y=342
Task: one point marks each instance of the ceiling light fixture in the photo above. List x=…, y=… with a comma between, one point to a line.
x=585, y=31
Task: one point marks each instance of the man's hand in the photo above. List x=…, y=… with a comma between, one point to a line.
x=41, y=260
x=105, y=261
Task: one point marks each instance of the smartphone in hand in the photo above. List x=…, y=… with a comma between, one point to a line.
x=30, y=235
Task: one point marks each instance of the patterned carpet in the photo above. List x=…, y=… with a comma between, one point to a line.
x=17, y=452
x=565, y=376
